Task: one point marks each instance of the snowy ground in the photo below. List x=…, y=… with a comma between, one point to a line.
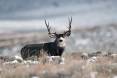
x=101, y=38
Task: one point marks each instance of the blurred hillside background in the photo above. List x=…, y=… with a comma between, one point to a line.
x=94, y=24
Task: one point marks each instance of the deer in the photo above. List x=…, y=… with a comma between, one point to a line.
x=55, y=48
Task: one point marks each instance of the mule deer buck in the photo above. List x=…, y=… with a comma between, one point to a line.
x=55, y=48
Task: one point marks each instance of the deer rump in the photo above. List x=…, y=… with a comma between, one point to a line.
x=51, y=49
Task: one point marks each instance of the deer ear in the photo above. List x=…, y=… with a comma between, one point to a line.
x=68, y=33
x=52, y=35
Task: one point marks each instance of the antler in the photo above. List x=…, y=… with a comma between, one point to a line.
x=70, y=21
x=68, y=32
x=48, y=28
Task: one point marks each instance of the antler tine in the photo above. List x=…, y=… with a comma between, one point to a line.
x=68, y=32
x=48, y=28
x=70, y=21
x=52, y=35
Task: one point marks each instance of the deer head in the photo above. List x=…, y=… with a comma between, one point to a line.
x=59, y=38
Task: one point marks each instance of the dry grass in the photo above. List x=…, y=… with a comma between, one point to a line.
x=74, y=67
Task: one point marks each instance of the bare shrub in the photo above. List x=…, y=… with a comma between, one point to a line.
x=74, y=67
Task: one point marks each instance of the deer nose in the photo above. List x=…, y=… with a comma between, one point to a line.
x=60, y=40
